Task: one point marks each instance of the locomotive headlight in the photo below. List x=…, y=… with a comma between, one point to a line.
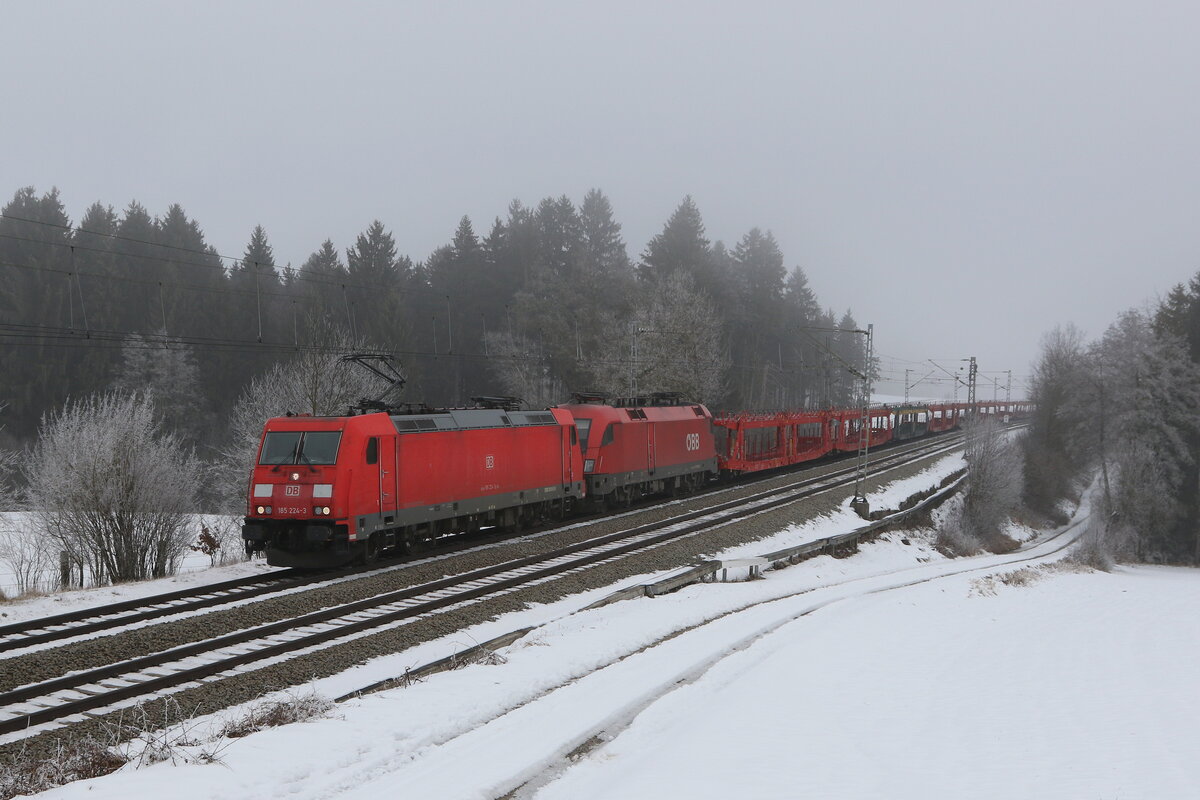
x=325, y=511
x=295, y=476
x=261, y=510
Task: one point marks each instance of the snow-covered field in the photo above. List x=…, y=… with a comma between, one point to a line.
x=894, y=673
x=15, y=526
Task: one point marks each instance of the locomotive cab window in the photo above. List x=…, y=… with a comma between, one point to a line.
x=280, y=448
x=295, y=447
x=373, y=450
x=607, y=438
x=583, y=426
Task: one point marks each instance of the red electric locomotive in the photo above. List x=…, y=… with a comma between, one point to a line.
x=640, y=446
x=331, y=490
x=326, y=491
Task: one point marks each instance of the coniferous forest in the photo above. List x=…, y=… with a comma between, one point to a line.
x=542, y=301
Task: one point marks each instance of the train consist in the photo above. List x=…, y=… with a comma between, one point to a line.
x=327, y=491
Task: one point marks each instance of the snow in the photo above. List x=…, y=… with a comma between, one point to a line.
x=892, y=673
x=1075, y=687
x=195, y=571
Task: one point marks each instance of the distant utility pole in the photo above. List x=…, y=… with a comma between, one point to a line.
x=971, y=374
x=908, y=385
x=859, y=503
x=633, y=354
x=1008, y=388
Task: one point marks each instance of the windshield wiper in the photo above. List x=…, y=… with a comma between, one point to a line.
x=307, y=460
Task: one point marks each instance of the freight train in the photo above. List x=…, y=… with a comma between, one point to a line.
x=328, y=491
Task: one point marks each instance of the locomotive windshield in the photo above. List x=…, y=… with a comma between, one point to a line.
x=295, y=447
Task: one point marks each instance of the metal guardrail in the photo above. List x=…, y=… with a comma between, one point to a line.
x=707, y=570
x=704, y=571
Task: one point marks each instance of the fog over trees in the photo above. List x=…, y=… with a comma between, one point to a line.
x=543, y=301
x=1126, y=406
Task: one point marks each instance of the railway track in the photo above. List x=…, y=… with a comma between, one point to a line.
x=669, y=663
x=69, y=698
x=19, y=635
x=160, y=607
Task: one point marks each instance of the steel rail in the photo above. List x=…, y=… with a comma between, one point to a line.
x=63, y=626
x=421, y=600
x=84, y=622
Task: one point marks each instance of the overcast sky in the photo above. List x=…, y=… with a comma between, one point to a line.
x=963, y=175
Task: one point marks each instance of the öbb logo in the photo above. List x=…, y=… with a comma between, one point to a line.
x=693, y=441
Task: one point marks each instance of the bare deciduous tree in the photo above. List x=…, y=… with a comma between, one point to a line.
x=523, y=369
x=994, y=481
x=672, y=344
x=110, y=489
x=26, y=556
x=1051, y=460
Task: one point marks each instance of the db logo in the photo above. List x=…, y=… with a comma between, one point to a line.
x=292, y=491
x=693, y=441
x=489, y=461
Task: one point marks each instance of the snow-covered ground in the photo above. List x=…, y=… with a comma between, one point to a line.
x=16, y=530
x=894, y=673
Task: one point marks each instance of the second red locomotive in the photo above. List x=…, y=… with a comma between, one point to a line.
x=326, y=491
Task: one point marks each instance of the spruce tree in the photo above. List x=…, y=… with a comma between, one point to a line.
x=681, y=245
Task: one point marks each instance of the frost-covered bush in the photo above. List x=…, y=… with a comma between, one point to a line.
x=26, y=557
x=1095, y=548
x=296, y=708
x=992, y=489
x=8, y=464
x=111, y=490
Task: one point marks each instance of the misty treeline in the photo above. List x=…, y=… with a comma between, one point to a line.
x=140, y=364
x=544, y=302
x=1127, y=407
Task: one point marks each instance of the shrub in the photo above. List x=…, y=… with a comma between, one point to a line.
x=112, y=490
x=297, y=708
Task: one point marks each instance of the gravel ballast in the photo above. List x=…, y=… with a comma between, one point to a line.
x=297, y=671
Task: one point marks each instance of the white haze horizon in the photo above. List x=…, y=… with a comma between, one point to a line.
x=964, y=178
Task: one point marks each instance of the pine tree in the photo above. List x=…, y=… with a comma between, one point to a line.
x=320, y=286
x=801, y=341
x=253, y=316
x=681, y=245
x=380, y=281
x=38, y=293
x=138, y=261
x=755, y=317
x=165, y=369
